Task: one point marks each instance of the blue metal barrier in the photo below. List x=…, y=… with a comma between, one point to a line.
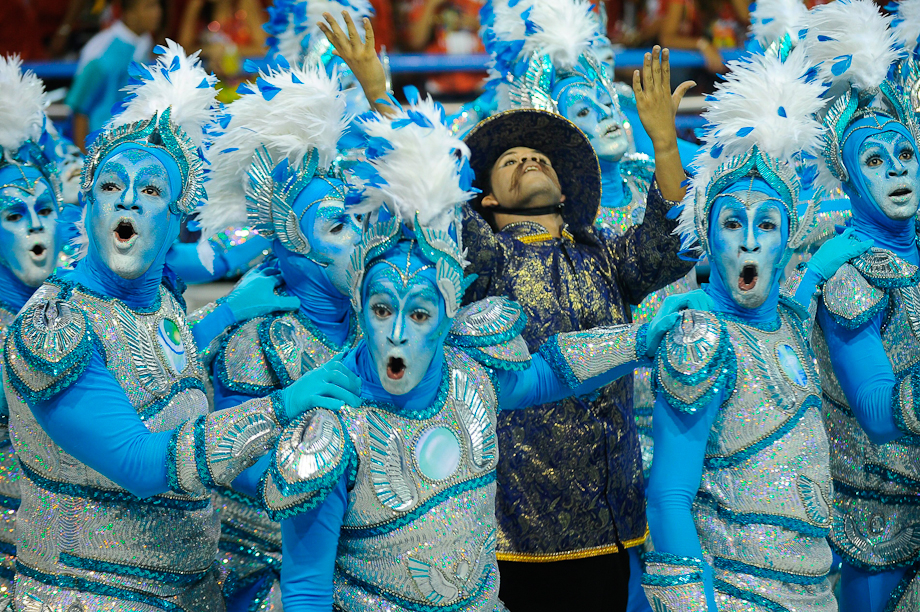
x=406, y=63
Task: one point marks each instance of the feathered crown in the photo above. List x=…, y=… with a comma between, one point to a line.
x=277, y=140
x=760, y=122
x=534, y=43
x=22, y=121
x=415, y=180
x=853, y=47
x=773, y=20
x=293, y=28
x=906, y=26
x=172, y=105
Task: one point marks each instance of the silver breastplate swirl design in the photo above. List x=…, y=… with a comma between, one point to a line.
x=419, y=532
x=876, y=515
x=78, y=530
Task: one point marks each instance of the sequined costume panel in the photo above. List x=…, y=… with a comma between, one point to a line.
x=876, y=520
x=582, y=453
x=80, y=536
x=763, y=507
x=9, y=480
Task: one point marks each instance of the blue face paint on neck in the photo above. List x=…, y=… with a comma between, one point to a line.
x=130, y=225
x=884, y=185
x=404, y=319
x=590, y=106
x=319, y=280
x=748, y=233
x=29, y=237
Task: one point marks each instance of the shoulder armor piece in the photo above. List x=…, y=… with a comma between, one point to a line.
x=851, y=299
x=695, y=361
x=884, y=269
x=241, y=364
x=292, y=348
x=48, y=348
x=490, y=332
x=313, y=453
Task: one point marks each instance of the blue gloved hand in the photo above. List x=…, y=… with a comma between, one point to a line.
x=669, y=314
x=836, y=252
x=329, y=386
x=255, y=296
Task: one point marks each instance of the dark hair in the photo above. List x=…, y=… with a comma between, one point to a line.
x=129, y=5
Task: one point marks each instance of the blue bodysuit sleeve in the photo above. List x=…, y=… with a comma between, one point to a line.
x=93, y=421
x=308, y=547
x=183, y=258
x=539, y=384
x=247, y=482
x=680, y=445
x=864, y=372
x=225, y=398
x=213, y=325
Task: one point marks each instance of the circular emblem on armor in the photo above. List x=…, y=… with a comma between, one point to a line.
x=437, y=453
x=170, y=339
x=791, y=365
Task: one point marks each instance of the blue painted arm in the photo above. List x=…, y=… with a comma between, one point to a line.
x=680, y=445
x=225, y=398
x=308, y=547
x=807, y=286
x=123, y=450
x=212, y=326
x=183, y=258
x=864, y=372
x=247, y=482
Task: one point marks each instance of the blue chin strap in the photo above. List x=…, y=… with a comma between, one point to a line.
x=869, y=220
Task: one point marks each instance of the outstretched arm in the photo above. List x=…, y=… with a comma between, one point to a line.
x=360, y=57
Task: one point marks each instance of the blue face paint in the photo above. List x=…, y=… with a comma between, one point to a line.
x=748, y=233
x=404, y=321
x=29, y=241
x=590, y=107
x=883, y=185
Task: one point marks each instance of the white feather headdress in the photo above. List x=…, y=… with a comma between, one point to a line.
x=906, y=24
x=765, y=104
x=771, y=20
x=295, y=114
x=22, y=105
x=171, y=104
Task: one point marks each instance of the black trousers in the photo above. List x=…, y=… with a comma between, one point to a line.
x=585, y=585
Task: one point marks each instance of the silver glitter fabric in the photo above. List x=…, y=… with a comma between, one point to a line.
x=419, y=532
x=674, y=583
x=849, y=295
x=763, y=508
x=9, y=482
x=875, y=521
x=81, y=538
x=593, y=352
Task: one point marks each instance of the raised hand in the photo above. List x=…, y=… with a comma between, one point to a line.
x=669, y=314
x=360, y=56
x=836, y=252
x=330, y=386
x=255, y=296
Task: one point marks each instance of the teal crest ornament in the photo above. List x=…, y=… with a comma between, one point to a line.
x=171, y=105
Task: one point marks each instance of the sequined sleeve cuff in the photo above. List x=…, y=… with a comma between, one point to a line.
x=906, y=410
x=695, y=362
x=313, y=454
x=674, y=583
x=211, y=451
x=47, y=349
x=576, y=357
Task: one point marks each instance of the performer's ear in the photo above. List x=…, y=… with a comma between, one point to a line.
x=489, y=201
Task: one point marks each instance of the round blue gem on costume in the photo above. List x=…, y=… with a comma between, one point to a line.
x=792, y=367
x=170, y=339
x=437, y=453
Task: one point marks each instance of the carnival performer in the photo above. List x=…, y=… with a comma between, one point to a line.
x=867, y=338
x=108, y=413
x=740, y=491
x=389, y=504
x=30, y=203
x=277, y=175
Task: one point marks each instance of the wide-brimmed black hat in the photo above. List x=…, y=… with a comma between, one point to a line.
x=567, y=147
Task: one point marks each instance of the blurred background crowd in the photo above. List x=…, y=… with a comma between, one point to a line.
x=84, y=47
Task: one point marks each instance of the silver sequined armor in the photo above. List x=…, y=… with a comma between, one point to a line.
x=9, y=483
x=259, y=356
x=419, y=532
x=876, y=515
x=763, y=507
x=83, y=542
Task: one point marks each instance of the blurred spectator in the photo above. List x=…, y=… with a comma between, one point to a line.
x=103, y=67
x=382, y=22
x=37, y=29
x=633, y=23
x=443, y=27
x=704, y=25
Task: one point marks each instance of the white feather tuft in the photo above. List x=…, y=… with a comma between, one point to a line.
x=299, y=118
x=293, y=45
x=854, y=31
x=419, y=172
x=22, y=105
x=80, y=242
x=907, y=24
x=194, y=106
x=773, y=19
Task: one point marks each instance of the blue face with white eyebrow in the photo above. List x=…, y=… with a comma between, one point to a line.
x=129, y=218
x=29, y=242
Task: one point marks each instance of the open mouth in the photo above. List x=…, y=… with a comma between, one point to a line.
x=396, y=368
x=748, y=277
x=612, y=130
x=901, y=193
x=38, y=250
x=125, y=232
